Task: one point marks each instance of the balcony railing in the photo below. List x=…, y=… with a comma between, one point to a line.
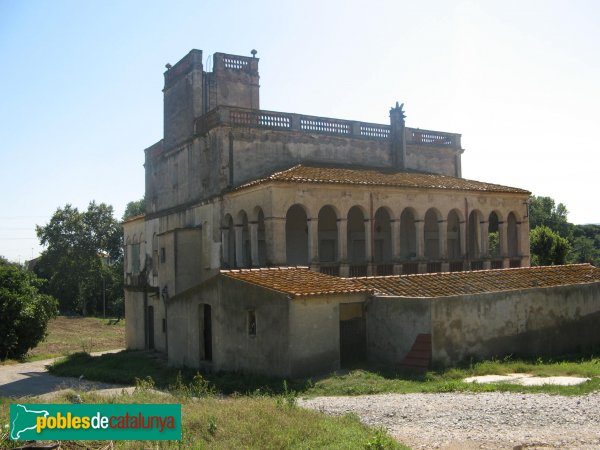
x=273, y=120
x=135, y=279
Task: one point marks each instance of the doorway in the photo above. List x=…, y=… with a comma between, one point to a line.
x=150, y=326
x=353, y=336
x=205, y=331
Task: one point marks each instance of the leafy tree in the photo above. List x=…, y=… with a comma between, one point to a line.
x=135, y=208
x=544, y=211
x=83, y=258
x=547, y=247
x=25, y=311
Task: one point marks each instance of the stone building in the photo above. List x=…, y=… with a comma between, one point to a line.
x=231, y=186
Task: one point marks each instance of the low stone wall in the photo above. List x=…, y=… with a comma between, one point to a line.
x=393, y=324
x=530, y=323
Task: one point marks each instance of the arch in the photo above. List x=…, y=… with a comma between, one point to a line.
x=453, y=234
x=356, y=235
x=408, y=234
x=228, y=241
x=296, y=235
x=494, y=234
x=328, y=234
x=382, y=252
x=474, y=235
x=432, y=234
x=242, y=240
x=512, y=233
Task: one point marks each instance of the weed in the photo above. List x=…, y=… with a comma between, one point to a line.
x=212, y=425
x=144, y=384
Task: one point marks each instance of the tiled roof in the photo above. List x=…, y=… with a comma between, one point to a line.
x=300, y=281
x=374, y=177
x=476, y=282
x=297, y=281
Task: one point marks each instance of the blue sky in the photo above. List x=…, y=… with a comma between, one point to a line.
x=82, y=88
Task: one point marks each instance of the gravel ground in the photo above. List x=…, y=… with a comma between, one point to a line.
x=471, y=421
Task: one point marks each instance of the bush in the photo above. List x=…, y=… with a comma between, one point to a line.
x=24, y=311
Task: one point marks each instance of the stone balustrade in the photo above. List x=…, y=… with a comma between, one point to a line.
x=272, y=120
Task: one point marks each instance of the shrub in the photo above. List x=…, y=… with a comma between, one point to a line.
x=24, y=311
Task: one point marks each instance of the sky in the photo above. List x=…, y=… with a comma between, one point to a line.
x=81, y=88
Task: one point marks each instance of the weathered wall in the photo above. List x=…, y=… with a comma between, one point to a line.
x=257, y=153
x=268, y=351
x=433, y=160
x=234, y=349
x=188, y=258
x=532, y=322
x=134, y=320
x=393, y=324
x=183, y=97
x=315, y=333
x=184, y=326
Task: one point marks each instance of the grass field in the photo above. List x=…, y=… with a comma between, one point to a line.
x=248, y=422
x=67, y=335
x=125, y=367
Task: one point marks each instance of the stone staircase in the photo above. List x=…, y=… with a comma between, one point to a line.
x=419, y=356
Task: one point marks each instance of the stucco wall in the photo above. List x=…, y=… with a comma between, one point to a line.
x=134, y=320
x=393, y=324
x=532, y=322
x=315, y=333
x=267, y=351
x=232, y=346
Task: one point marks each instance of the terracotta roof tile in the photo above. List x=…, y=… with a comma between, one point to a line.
x=297, y=281
x=374, y=177
x=476, y=282
x=300, y=281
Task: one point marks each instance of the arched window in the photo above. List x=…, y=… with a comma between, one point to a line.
x=296, y=236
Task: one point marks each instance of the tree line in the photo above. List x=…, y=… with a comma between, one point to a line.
x=554, y=240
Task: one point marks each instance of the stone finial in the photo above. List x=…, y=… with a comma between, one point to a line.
x=254, y=52
x=398, y=110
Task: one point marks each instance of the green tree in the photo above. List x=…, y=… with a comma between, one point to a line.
x=83, y=258
x=135, y=208
x=547, y=247
x=544, y=211
x=25, y=311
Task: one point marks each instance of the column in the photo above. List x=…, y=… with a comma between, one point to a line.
x=395, y=229
x=484, y=231
x=420, y=245
x=369, y=247
x=313, y=243
x=239, y=245
x=443, y=244
x=275, y=240
x=503, y=240
x=342, y=227
x=225, y=247
x=254, y=243
x=462, y=229
x=523, y=237
x=420, y=236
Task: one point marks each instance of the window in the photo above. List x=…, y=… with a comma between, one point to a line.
x=251, y=323
x=163, y=255
x=135, y=258
x=164, y=325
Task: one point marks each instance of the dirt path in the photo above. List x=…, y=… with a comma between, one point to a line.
x=492, y=420
x=33, y=379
